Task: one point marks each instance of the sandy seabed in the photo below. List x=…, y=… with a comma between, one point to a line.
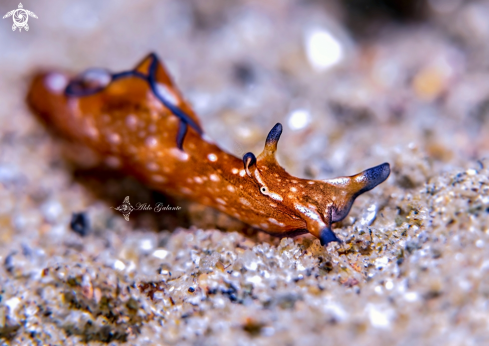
x=414, y=265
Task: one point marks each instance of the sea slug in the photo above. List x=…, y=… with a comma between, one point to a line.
x=140, y=122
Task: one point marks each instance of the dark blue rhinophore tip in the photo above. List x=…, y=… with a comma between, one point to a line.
x=249, y=159
x=274, y=134
x=327, y=236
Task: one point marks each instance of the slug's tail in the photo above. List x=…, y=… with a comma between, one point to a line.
x=46, y=99
x=63, y=101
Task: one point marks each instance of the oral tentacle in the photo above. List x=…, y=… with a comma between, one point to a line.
x=370, y=178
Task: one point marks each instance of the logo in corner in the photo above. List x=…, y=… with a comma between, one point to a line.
x=125, y=208
x=20, y=17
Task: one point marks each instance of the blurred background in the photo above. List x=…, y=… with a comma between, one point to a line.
x=354, y=82
x=392, y=73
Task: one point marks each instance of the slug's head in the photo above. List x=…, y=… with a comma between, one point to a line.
x=269, y=176
x=317, y=202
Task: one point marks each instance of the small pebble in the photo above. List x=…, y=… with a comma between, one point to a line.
x=80, y=224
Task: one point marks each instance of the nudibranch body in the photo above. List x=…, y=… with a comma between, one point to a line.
x=140, y=122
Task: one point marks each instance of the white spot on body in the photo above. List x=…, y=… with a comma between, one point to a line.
x=185, y=190
x=159, y=178
x=131, y=121
x=231, y=188
x=339, y=181
x=220, y=200
x=310, y=182
x=151, y=142
x=212, y=157
x=113, y=162
x=198, y=180
x=214, y=177
x=167, y=94
x=309, y=213
x=258, y=177
x=242, y=173
x=272, y=220
x=275, y=196
x=56, y=82
x=92, y=132
x=152, y=166
x=264, y=225
x=179, y=154
x=235, y=171
x=114, y=138
x=293, y=189
x=244, y=201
